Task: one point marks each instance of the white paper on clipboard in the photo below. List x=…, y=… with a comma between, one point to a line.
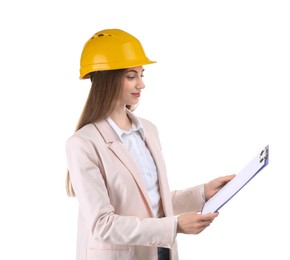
x=237, y=183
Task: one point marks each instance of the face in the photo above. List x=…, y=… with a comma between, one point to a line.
x=132, y=86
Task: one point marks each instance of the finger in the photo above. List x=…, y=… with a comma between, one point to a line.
x=203, y=226
x=210, y=216
x=229, y=177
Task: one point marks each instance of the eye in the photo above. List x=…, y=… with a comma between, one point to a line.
x=134, y=75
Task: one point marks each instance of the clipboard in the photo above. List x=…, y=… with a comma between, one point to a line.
x=227, y=192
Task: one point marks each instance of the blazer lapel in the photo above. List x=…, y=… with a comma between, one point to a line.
x=116, y=146
x=155, y=149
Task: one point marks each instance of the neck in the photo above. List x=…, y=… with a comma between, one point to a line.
x=119, y=116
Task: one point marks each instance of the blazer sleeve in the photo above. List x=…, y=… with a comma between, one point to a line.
x=191, y=199
x=89, y=184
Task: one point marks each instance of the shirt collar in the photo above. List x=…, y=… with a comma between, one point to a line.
x=136, y=126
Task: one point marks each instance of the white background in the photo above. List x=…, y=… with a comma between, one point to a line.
x=218, y=93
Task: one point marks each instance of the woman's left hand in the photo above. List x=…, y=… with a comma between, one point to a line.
x=215, y=185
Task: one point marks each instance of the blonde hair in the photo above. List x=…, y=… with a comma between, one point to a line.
x=105, y=90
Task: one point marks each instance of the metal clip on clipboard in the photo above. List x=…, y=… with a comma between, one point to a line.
x=264, y=154
x=237, y=183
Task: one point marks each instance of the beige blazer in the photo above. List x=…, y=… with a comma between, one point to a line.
x=115, y=218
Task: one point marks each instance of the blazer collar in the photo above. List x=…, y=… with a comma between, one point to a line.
x=106, y=131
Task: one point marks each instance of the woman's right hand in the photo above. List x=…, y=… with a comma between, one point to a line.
x=194, y=222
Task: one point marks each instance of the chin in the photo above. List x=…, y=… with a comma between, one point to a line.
x=133, y=105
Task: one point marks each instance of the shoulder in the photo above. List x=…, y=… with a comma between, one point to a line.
x=84, y=133
x=150, y=129
x=83, y=146
x=147, y=124
x=83, y=136
x=95, y=134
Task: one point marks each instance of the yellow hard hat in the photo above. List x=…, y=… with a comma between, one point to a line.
x=111, y=49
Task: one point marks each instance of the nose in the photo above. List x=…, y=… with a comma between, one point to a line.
x=140, y=83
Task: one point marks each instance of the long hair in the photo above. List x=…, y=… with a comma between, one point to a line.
x=105, y=90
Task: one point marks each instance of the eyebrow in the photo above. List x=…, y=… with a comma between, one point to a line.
x=135, y=71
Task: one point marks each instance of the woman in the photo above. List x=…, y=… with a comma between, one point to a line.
x=115, y=164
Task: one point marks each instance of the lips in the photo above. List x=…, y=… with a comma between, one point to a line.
x=136, y=94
